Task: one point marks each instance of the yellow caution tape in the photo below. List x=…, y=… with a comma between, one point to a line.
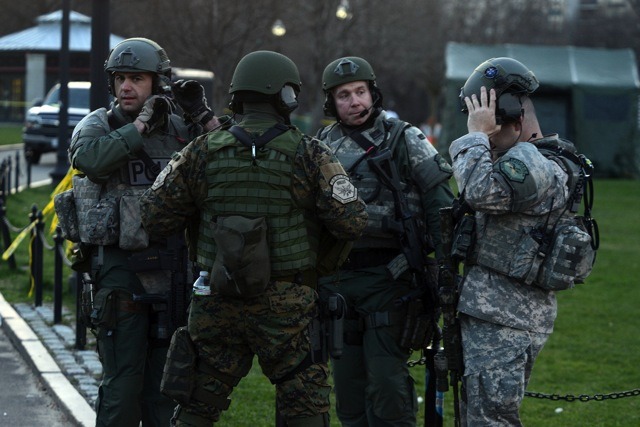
x=65, y=184
x=16, y=242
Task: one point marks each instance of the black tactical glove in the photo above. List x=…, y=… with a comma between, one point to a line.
x=189, y=94
x=154, y=112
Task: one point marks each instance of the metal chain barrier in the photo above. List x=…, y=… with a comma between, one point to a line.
x=12, y=227
x=598, y=397
x=584, y=397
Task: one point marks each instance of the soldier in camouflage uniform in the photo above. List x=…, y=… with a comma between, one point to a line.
x=262, y=168
x=372, y=380
x=512, y=188
x=116, y=152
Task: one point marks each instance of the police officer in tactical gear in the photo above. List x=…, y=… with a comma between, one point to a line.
x=372, y=381
x=506, y=317
x=263, y=192
x=119, y=153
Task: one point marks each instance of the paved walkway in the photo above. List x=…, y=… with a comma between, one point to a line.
x=70, y=375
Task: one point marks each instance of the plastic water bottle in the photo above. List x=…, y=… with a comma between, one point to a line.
x=201, y=285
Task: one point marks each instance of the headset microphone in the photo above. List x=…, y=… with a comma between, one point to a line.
x=365, y=111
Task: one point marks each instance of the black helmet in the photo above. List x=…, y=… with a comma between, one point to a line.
x=505, y=76
x=265, y=73
x=346, y=70
x=138, y=55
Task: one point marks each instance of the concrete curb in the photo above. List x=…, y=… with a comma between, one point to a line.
x=44, y=365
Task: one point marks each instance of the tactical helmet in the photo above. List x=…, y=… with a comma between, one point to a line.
x=346, y=70
x=505, y=76
x=265, y=72
x=135, y=55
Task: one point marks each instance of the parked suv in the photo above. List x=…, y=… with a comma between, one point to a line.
x=40, y=133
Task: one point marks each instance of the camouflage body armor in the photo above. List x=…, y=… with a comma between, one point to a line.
x=552, y=251
x=113, y=218
x=238, y=185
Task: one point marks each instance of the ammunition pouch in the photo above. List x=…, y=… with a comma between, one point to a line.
x=242, y=267
x=101, y=224
x=553, y=260
x=569, y=259
x=132, y=235
x=65, y=207
x=179, y=373
x=419, y=327
x=105, y=309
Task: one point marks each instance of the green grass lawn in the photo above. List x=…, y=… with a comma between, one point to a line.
x=595, y=349
x=10, y=133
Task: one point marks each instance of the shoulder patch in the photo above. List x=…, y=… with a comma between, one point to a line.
x=342, y=189
x=514, y=169
x=443, y=165
x=176, y=160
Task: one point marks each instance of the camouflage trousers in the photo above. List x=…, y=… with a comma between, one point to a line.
x=498, y=363
x=229, y=332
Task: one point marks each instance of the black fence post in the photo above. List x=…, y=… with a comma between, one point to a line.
x=3, y=180
x=27, y=158
x=36, y=253
x=6, y=236
x=8, y=175
x=57, y=279
x=17, y=174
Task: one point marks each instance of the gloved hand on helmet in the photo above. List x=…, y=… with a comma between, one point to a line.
x=189, y=94
x=154, y=112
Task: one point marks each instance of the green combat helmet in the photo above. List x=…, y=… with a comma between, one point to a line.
x=505, y=76
x=265, y=73
x=139, y=55
x=347, y=70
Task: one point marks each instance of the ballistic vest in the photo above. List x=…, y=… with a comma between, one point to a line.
x=239, y=185
x=379, y=198
x=505, y=243
x=133, y=178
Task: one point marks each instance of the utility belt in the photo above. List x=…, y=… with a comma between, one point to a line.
x=368, y=258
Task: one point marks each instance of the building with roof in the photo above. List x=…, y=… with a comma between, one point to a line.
x=30, y=60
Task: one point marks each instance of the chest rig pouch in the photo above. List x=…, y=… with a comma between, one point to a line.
x=242, y=266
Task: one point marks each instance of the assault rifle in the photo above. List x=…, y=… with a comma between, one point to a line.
x=413, y=242
x=171, y=305
x=449, y=360
x=421, y=325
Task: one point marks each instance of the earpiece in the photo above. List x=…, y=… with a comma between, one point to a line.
x=509, y=108
x=288, y=98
